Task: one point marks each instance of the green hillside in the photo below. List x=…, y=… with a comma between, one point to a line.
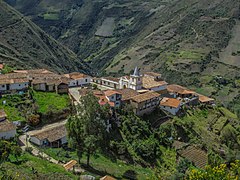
x=191, y=42
x=25, y=45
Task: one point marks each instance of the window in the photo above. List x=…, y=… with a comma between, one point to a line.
x=108, y=83
x=3, y=86
x=86, y=80
x=19, y=85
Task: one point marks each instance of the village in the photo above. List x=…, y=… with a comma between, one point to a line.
x=144, y=92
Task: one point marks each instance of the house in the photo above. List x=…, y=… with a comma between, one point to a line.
x=8, y=84
x=78, y=79
x=151, y=84
x=187, y=97
x=170, y=105
x=50, y=85
x=7, y=128
x=54, y=137
x=114, y=97
x=110, y=82
x=206, y=100
x=62, y=87
x=145, y=103
x=179, y=91
x=127, y=94
x=155, y=76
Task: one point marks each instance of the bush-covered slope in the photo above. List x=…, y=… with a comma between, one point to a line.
x=25, y=45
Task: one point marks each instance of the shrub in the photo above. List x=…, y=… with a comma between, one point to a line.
x=34, y=119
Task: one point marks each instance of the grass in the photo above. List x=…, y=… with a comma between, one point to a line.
x=228, y=113
x=45, y=170
x=190, y=55
x=51, y=16
x=47, y=100
x=11, y=107
x=218, y=126
x=103, y=164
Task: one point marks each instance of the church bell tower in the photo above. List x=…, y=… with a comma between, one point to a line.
x=135, y=82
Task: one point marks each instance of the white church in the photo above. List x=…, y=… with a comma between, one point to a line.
x=136, y=81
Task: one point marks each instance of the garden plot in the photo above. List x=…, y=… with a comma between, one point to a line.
x=107, y=28
x=197, y=156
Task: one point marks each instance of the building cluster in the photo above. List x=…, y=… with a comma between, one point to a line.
x=41, y=80
x=146, y=92
x=143, y=92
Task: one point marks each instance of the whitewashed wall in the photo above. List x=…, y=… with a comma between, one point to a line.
x=8, y=134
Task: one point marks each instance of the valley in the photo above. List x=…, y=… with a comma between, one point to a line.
x=119, y=89
x=194, y=40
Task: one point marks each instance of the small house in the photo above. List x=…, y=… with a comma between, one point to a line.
x=113, y=97
x=170, y=105
x=7, y=128
x=155, y=76
x=78, y=79
x=206, y=100
x=151, y=84
x=53, y=137
x=127, y=94
x=145, y=103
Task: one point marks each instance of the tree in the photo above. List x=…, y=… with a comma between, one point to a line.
x=88, y=129
x=76, y=134
x=5, y=150
x=16, y=151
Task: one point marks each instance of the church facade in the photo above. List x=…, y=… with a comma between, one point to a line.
x=134, y=81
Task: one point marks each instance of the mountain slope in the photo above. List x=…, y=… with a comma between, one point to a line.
x=191, y=42
x=25, y=45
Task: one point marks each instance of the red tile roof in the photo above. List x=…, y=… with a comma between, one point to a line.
x=204, y=99
x=127, y=94
x=170, y=102
x=149, y=82
x=144, y=97
x=174, y=88
x=111, y=92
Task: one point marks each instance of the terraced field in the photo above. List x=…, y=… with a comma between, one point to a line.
x=196, y=155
